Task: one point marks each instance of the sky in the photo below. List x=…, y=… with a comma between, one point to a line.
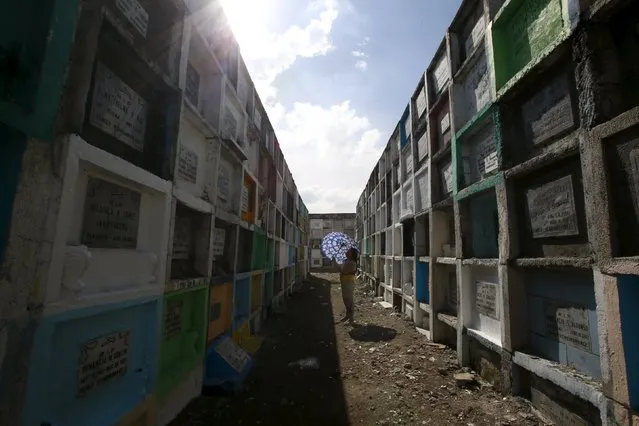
x=334, y=77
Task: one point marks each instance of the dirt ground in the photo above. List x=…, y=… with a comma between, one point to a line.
x=379, y=372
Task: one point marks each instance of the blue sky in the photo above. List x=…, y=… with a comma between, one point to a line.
x=335, y=76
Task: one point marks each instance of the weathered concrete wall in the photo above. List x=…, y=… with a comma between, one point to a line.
x=23, y=273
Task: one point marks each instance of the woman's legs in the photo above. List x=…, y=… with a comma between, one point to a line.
x=348, y=289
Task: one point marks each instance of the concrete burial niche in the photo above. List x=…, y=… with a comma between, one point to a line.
x=442, y=232
x=444, y=303
x=480, y=302
x=138, y=133
x=477, y=149
x=67, y=384
x=542, y=111
x=481, y=315
x=145, y=25
x=229, y=183
x=467, y=33
x=480, y=226
x=550, y=212
x=183, y=338
x=523, y=32
x=621, y=156
x=245, y=251
x=220, y=309
x=628, y=288
x=223, y=248
x=191, y=246
x=472, y=88
x=562, y=318
x=108, y=247
x=422, y=235
x=438, y=74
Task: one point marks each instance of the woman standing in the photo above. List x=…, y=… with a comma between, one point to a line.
x=347, y=273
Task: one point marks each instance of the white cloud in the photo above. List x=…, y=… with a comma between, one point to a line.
x=359, y=54
x=330, y=150
x=361, y=65
x=268, y=54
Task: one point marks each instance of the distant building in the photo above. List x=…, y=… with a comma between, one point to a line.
x=322, y=224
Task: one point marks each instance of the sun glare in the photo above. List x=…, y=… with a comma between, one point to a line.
x=247, y=19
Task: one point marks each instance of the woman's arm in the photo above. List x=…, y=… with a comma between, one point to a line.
x=337, y=266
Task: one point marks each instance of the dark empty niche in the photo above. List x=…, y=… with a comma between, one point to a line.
x=623, y=28
x=223, y=248
x=622, y=165
x=442, y=178
x=480, y=226
x=190, y=252
x=422, y=237
x=408, y=229
x=244, y=250
x=550, y=211
x=440, y=128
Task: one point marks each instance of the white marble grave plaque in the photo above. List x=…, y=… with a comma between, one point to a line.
x=484, y=151
x=552, y=209
x=420, y=102
x=117, y=109
x=223, y=181
x=219, y=234
x=568, y=324
x=447, y=176
x=408, y=128
x=476, y=35
x=232, y=354
x=476, y=89
x=549, y=112
x=423, y=194
x=422, y=147
x=486, y=299
x=182, y=238
x=102, y=360
x=444, y=123
x=135, y=13
x=441, y=74
x=173, y=318
x=111, y=215
x=187, y=165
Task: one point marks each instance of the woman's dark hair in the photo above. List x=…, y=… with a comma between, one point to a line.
x=354, y=254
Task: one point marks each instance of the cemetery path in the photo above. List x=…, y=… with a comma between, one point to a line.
x=379, y=372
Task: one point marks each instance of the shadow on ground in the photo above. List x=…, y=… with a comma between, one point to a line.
x=277, y=393
x=372, y=333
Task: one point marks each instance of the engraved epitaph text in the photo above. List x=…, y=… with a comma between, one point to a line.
x=549, y=112
x=486, y=299
x=117, y=109
x=182, y=238
x=102, y=360
x=441, y=74
x=173, y=318
x=568, y=324
x=111, y=215
x=232, y=354
x=552, y=209
x=187, y=165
